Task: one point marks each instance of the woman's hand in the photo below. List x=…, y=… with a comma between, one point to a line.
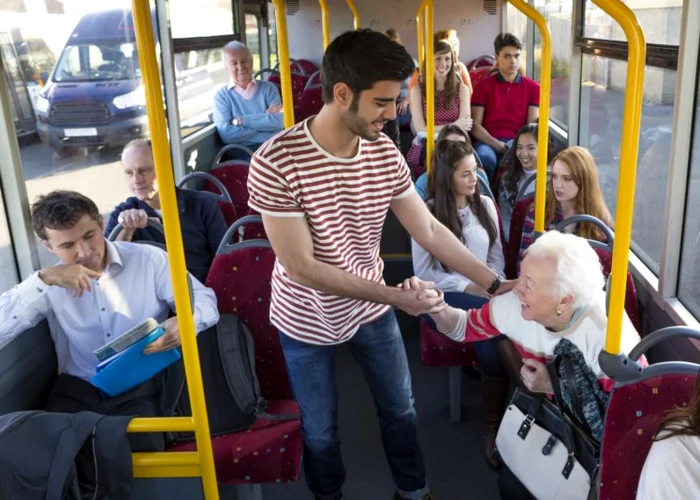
x=465, y=123
x=535, y=376
x=402, y=106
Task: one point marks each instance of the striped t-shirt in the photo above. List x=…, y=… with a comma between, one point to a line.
x=345, y=202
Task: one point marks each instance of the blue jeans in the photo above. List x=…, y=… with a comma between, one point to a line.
x=486, y=350
x=488, y=156
x=378, y=349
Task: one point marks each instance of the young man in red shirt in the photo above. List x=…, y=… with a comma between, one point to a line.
x=324, y=188
x=502, y=104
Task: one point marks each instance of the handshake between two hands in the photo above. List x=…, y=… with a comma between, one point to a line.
x=420, y=297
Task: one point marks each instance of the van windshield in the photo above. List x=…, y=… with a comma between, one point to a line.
x=92, y=62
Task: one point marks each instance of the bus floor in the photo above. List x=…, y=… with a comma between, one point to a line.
x=453, y=451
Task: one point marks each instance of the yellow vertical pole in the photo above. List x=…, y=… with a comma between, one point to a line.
x=173, y=237
x=545, y=91
x=285, y=72
x=629, y=149
x=355, y=14
x=325, y=24
x=419, y=36
x=429, y=83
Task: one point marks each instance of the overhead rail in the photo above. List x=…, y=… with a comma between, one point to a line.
x=545, y=91
x=284, y=69
x=198, y=463
x=426, y=8
x=325, y=24
x=355, y=15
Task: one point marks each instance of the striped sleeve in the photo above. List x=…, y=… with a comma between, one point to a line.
x=404, y=184
x=269, y=190
x=479, y=324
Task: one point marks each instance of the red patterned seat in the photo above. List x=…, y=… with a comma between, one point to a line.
x=234, y=176
x=633, y=415
x=439, y=350
x=298, y=83
x=216, y=187
x=270, y=451
x=517, y=221
x=479, y=74
x=307, y=67
x=311, y=100
x=631, y=304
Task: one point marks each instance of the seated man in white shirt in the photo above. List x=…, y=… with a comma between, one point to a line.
x=96, y=292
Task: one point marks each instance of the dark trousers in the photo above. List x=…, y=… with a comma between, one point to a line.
x=378, y=348
x=72, y=395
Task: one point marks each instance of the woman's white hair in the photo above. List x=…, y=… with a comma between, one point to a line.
x=578, y=269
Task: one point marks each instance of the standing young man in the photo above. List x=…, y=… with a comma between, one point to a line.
x=502, y=104
x=323, y=188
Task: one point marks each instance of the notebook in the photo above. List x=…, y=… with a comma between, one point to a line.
x=128, y=366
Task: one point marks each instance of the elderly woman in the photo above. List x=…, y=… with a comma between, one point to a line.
x=202, y=223
x=559, y=295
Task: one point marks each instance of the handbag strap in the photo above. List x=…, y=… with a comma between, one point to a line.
x=568, y=366
x=559, y=401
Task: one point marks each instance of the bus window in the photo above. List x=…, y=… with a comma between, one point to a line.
x=252, y=38
x=8, y=271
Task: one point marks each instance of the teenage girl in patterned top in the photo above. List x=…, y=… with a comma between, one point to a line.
x=452, y=103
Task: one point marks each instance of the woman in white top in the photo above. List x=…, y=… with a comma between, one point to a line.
x=455, y=200
x=672, y=468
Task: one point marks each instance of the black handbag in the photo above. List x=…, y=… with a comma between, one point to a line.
x=548, y=450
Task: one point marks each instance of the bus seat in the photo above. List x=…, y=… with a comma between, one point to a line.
x=517, y=221
x=479, y=74
x=631, y=304
x=485, y=61
x=28, y=370
x=248, y=227
x=634, y=413
x=234, y=176
x=270, y=451
x=307, y=67
x=439, y=350
x=311, y=100
x=220, y=193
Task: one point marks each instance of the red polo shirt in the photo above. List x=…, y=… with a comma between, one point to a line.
x=505, y=104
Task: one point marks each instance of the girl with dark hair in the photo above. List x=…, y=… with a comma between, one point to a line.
x=672, y=468
x=450, y=133
x=454, y=198
x=452, y=102
x=517, y=167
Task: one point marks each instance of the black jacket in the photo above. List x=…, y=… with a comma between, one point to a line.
x=38, y=451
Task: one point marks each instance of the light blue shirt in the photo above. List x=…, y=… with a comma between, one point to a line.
x=134, y=286
x=258, y=125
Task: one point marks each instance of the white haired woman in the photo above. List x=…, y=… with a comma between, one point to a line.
x=559, y=295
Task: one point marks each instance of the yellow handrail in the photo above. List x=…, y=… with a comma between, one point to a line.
x=419, y=36
x=325, y=24
x=355, y=14
x=427, y=5
x=543, y=129
x=178, y=272
x=629, y=148
x=285, y=72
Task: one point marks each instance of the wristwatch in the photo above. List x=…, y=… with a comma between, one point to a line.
x=235, y=122
x=495, y=285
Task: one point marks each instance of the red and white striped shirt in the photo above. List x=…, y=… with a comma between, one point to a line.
x=345, y=202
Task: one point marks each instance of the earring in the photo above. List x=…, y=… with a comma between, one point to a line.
x=558, y=312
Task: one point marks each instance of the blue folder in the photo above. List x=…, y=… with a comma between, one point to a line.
x=131, y=367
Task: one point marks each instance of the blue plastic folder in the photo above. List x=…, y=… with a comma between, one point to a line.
x=130, y=367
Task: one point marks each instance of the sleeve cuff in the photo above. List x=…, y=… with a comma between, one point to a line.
x=32, y=289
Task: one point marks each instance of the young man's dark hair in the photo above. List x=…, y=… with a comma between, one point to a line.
x=362, y=58
x=61, y=210
x=504, y=40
